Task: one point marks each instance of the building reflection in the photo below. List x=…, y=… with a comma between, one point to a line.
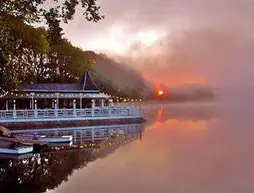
x=49, y=168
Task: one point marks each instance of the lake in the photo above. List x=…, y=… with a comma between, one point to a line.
x=182, y=148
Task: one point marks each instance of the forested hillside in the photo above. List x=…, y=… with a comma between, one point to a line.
x=116, y=78
x=41, y=54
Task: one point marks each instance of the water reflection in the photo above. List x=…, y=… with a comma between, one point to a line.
x=189, y=149
x=159, y=114
x=184, y=148
x=48, y=169
x=182, y=112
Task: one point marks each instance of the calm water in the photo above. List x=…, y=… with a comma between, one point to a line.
x=181, y=149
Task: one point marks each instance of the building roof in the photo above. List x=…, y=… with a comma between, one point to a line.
x=88, y=83
x=58, y=87
x=86, y=86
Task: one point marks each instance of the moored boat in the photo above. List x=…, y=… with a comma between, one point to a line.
x=56, y=139
x=7, y=147
x=17, y=150
x=50, y=139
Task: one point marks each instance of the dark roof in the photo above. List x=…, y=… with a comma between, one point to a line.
x=51, y=86
x=87, y=85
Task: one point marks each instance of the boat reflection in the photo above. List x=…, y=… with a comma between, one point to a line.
x=49, y=168
x=15, y=157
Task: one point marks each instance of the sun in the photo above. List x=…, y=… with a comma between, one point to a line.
x=160, y=92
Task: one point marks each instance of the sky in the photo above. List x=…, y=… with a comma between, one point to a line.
x=175, y=42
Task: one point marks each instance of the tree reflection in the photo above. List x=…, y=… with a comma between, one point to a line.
x=40, y=172
x=48, y=170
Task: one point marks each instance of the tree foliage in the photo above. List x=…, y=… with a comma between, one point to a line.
x=20, y=45
x=116, y=78
x=40, y=54
x=66, y=63
x=26, y=51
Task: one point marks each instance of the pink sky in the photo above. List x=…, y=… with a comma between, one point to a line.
x=173, y=42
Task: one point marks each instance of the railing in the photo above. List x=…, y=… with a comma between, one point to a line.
x=91, y=113
x=88, y=133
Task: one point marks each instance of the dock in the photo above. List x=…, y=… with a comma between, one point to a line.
x=24, y=142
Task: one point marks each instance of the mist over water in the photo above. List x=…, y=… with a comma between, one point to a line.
x=207, y=43
x=213, y=56
x=189, y=147
x=201, y=147
x=185, y=148
x=203, y=43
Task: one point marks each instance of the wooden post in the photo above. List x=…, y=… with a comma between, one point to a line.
x=53, y=103
x=93, y=132
x=32, y=102
x=35, y=109
x=81, y=132
x=93, y=103
x=14, y=109
x=56, y=109
x=6, y=104
x=102, y=103
x=93, y=106
x=109, y=109
x=80, y=102
x=75, y=136
x=111, y=102
x=109, y=112
x=74, y=108
x=57, y=101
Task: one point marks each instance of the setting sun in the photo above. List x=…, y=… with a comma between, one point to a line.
x=160, y=92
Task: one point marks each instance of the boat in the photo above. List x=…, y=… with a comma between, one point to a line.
x=7, y=147
x=50, y=139
x=12, y=144
x=4, y=156
x=56, y=139
x=17, y=150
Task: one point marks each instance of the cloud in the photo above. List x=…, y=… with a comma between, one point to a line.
x=206, y=42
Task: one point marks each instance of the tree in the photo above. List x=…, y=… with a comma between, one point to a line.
x=22, y=47
x=34, y=11
x=66, y=63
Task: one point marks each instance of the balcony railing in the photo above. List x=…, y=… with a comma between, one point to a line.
x=58, y=114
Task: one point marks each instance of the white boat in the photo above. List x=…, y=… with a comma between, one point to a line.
x=48, y=138
x=14, y=146
x=16, y=150
x=56, y=139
